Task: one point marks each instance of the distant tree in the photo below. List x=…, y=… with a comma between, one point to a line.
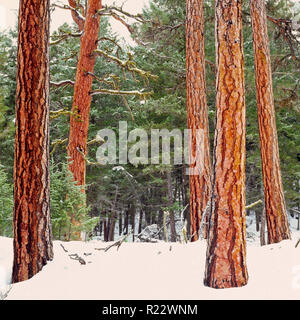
x=226, y=252
x=200, y=180
x=31, y=220
x=276, y=215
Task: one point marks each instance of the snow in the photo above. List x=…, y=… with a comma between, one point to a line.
x=151, y=271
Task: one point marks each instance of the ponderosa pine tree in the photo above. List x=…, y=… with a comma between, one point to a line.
x=276, y=216
x=200, y=166
x=79, y=123
x=226, y=252
x=32, y=226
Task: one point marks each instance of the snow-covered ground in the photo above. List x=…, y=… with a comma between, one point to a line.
x=152, y=271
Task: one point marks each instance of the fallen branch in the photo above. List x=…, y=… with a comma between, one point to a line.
x=115, y=244
x=65, y=250
x=75, y=256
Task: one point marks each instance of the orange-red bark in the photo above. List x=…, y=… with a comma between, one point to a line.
x=79, y=124
x=226, y=252
x=277, y=222
x=32, y=227
x=200, y=179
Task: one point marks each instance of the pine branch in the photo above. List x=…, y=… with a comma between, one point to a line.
x=109, y=10
x=62, y=83
x=62, y=112
x=56, y=143
x=121, y=93
x=110, y=80
x=88, y=162
x=250, y=206
x=78, y=18
x=62, y=37
x=128, y=65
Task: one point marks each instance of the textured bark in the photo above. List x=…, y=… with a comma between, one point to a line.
x=32, y=227
x=82, y=99
x=276, y=216
x=200, y=181
x=226, y=252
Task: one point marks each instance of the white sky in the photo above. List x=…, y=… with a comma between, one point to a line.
x=9, y=13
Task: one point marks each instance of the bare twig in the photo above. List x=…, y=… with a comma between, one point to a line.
x=62, y=83
x=137, y=93
x=75, y=256
x=65, y=250
x=297, y=211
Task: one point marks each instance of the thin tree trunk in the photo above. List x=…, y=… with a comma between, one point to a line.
x=160, y=222
x=106, y=229
x=200, y=171
x=226, y=252
x=257, y=220
x=100, y=228
x=120, y=223
x=113, y=218
x=263, y=228
x=79, y=124
x=171, y=212
x=132, y=216
x=276, y=215
x=32, y=226
x=126, y=222
x=140, y=221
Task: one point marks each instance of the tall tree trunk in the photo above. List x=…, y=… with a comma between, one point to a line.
x=79, y=124
x=226, y=252
x=200, y=179
x=32, y=226
x=277, y=222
